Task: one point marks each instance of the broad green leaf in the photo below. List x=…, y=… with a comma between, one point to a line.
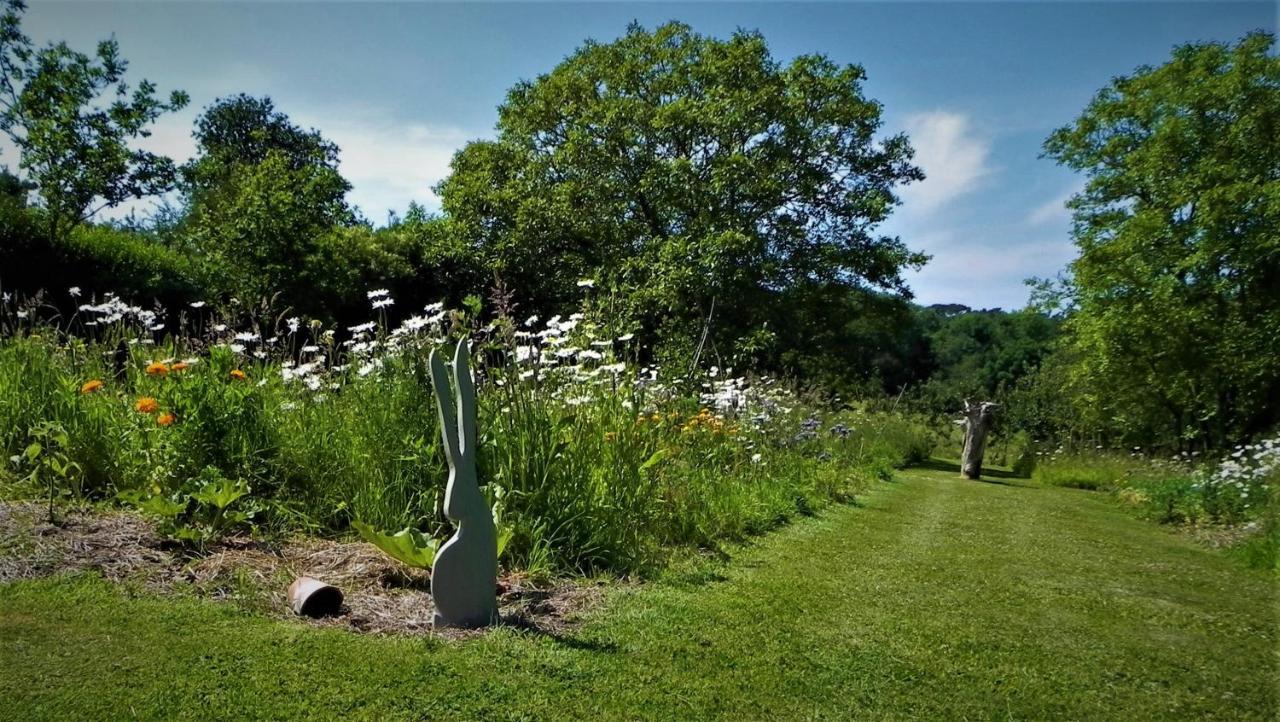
x=408, y=545
x=221, y=493
x=504, y=537
x=156, y=506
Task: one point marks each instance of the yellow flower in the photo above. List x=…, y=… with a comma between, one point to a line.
x=238, y=375
x=155, y=368
x=610, y=435
x=146, y=405
x=91, y=386
x=166, y=419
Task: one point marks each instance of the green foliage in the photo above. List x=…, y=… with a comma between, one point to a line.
x=1086, y=471
x=78, y=153
x=105, y=257
x=694, y=178
x=94, y=256
x=408, y=545
x=14, y=190
x=243, y=130
x=1176, y=293
x=262, y=224
x=585, y=473
x=982, y=353
x=1235, y=490
x=417, y=258
x=47, y=456
x=206, y=508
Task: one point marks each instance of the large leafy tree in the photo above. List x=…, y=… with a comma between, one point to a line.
x=1176, y=291
x=263, y=195
x=697, y=178
x=243, y=130
x=73, y=120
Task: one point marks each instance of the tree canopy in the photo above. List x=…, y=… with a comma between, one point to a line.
x=1175, y=296
x=262, y=194
x=683, y=172
x=243, y=130
x=77, y=152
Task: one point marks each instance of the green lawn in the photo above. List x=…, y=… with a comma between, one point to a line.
x=936, y=598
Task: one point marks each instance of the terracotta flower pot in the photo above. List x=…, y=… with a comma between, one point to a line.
x=313, y=598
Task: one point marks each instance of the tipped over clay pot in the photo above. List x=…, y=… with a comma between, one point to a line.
x=313, y=598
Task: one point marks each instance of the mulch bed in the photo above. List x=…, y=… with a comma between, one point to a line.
x=380, y=594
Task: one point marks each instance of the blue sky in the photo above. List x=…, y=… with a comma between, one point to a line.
x=399, y=87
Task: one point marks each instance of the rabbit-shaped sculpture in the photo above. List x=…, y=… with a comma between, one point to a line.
x=464, y=576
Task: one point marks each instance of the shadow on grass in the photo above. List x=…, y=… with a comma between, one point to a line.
x=989, y=475
x=557, y=636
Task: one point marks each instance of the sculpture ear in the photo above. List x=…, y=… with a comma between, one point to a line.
x=467, y=441
x=444, y=403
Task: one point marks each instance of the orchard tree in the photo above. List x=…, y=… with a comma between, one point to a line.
x=694, y=178
x=1176, y=292
x=76, y=151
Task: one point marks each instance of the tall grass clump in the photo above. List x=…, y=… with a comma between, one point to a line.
x=1236, y=490
x=1082, y=470
x=592, y=460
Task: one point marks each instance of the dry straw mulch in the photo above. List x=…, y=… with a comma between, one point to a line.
x=380, y=594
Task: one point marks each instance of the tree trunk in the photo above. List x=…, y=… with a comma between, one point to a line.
x=978, y=420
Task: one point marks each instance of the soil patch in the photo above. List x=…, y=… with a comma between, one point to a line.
x=380, y=594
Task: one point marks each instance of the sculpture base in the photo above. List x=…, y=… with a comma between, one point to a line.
x=439, y=622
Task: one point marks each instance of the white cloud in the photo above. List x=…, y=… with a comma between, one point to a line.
x=954, y=159
x=1053, y=211
x=389, y=163
x=984, y=275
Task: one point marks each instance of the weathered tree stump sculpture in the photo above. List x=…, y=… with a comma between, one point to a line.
x=465, y=573
x=978, y=419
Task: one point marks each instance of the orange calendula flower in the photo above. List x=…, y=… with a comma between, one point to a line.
x=146, y=405
x=91, y=386
x=155, y=368
x=238, y=375
x=180, y=366
x=166, y=419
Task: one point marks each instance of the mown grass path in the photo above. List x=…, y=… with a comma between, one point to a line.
x=935, y=599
